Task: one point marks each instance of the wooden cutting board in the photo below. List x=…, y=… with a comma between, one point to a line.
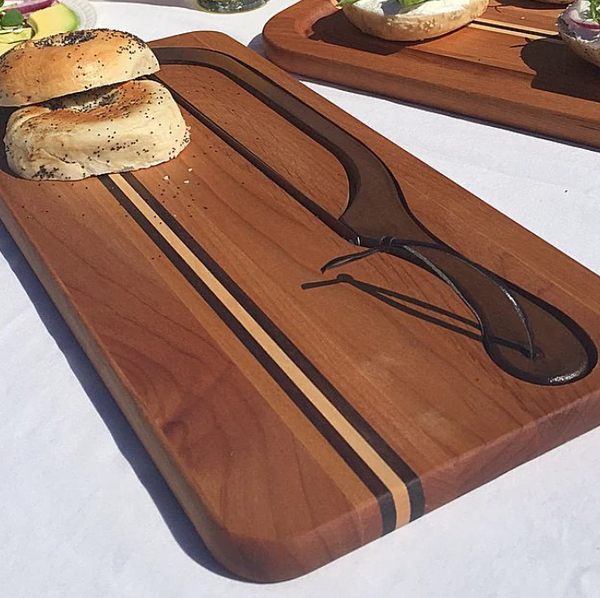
x=509, y=67
x=294, y=424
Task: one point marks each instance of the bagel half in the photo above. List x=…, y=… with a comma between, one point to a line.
x=391, y=20
x=112, y=129
x=66, y=63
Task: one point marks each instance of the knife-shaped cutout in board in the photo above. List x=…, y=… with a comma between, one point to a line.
x=524, y=335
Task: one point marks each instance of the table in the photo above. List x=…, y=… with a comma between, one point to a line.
x=86, y=513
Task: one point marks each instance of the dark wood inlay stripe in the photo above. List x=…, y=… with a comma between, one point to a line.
x=390, y=493
x=398, y=465
x=516, y=28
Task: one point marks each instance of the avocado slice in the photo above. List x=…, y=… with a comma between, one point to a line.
x=12, y=37
x=54, y=19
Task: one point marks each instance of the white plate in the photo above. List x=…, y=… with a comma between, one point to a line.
x=85, y=12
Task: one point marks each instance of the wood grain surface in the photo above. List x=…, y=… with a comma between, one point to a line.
x=293, y=425
x=509, y=67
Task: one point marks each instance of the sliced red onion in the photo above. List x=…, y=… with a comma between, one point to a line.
x=573, y=14
x=29, y=6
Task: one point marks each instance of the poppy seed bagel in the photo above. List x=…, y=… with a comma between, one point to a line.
x=67, y=63
x=583, y=40
x=112, y=129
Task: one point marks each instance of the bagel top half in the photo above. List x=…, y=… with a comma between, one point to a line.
x=67, y=63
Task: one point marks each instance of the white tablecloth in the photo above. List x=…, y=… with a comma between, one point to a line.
x=84, y=513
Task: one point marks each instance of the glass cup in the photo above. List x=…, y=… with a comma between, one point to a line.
x=230, y=5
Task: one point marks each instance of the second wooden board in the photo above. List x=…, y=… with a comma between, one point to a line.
x=509, y=67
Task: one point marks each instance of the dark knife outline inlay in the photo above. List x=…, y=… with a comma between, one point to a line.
x=400, y=467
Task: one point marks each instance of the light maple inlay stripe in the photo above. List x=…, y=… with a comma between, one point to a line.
x=362, y=448
x=515, y=26
x=515, y=32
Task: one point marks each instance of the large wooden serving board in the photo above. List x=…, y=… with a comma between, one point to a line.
x=294, y=425
x=509, y=67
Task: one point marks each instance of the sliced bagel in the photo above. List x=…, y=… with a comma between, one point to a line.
x=67, y=63
x=391, y=20
x=113, y=129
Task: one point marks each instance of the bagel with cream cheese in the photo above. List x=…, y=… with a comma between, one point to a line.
x=111, y=129
x=404, y=20
x=579, y=27
x=66, y=63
